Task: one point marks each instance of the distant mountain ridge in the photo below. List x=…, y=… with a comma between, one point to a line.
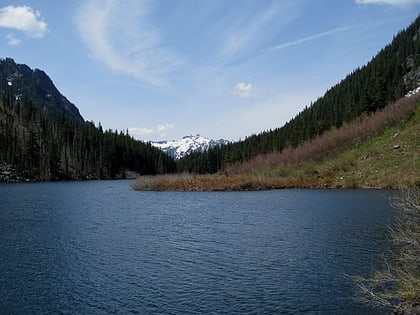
x=23, y=84
x=188, y=144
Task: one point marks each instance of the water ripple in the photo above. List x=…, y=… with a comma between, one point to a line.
x=84, y=248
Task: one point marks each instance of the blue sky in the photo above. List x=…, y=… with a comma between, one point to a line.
x=222, y=69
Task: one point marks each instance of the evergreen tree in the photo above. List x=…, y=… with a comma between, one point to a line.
x=387, y=77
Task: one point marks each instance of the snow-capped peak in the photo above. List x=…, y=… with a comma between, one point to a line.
x=188, y=144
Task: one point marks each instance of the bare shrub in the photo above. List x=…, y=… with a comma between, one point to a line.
x=333, y=141
x=163, y=182
x=397, y=285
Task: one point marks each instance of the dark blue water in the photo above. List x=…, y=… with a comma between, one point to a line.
x=101, y=248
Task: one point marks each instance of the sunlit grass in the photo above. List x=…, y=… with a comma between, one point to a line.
x=388, y=159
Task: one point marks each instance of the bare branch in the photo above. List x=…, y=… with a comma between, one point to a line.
x=397, y=285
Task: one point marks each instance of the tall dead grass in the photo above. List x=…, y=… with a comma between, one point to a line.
x=188, y=182
x=276, y=170
x=333, y=141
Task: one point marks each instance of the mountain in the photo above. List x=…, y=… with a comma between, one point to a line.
x=375, y=151
x=188, y=144
x=23, y=84
x=387, y=77
x=44, y=137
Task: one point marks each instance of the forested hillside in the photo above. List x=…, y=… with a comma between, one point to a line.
x=47, y=139
x=393, y=72
x=21, y=84
x=44, y=137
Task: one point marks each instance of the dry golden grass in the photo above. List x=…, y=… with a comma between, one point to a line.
x=186, y=182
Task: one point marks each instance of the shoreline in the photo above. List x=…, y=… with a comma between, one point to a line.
x=191, y=183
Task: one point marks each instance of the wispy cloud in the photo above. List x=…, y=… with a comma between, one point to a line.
x=12, y=40
x=119, y=35
x=247, y=31
x=400, y=3
x=257, y=26
x=243, y=89
x=140, y=132
x=23, y=18
x=309, y=38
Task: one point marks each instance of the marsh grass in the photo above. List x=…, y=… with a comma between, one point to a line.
x=188, y=182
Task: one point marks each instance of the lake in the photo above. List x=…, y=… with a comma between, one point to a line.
x=98, y=247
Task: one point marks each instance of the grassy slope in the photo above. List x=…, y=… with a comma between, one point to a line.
x=390, y=159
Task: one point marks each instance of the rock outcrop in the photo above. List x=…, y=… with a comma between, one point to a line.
x=8, y=173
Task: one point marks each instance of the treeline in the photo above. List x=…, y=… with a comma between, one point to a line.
x=42, y=147
x=333, y=142
x=36, y=85
x=393, y=72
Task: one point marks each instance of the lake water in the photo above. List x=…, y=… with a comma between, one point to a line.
x=99, y=247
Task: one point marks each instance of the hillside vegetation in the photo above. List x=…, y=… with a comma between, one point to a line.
x=364, y=132
x=393, y=72
x=357, y=135
x=381, y=150
x=21, y=84
x=43, y=136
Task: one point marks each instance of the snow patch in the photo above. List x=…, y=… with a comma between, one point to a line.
x=415, y=91
x=188, y=144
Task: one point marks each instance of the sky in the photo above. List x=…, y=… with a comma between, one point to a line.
x=165, y=69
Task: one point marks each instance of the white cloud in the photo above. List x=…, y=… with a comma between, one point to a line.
x=140, y=132
x=12, y=40
x=23, y=18
x=119, y=34
x=401, y=3
x=164, y=127
x=309, y=38
x=243, y=89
